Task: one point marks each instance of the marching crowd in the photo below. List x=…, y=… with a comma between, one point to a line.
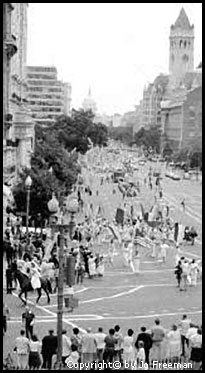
x=95, y=242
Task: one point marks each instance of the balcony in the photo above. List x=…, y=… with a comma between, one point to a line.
x=11, y=46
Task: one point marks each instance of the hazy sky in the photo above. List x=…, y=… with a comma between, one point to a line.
x=114, y=48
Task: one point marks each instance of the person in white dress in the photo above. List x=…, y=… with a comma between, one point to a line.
x=92, y=266
x=194, y=270
x=140, y=355
x=128, y=347
x=35, y=276
x=174, y=340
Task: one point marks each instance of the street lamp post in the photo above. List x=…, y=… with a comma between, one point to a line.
x=28, y=184
x=61, y=226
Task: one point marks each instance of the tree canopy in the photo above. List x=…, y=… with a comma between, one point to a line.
x=148, y=138
x=54, y=163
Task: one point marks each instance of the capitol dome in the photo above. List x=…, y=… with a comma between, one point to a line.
x=89, y=103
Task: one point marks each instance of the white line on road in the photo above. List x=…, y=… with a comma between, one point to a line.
x=54, y=315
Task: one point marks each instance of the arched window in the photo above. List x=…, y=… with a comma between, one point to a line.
x=180, y=43
x=185, y=44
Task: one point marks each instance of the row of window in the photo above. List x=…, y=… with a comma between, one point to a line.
x=46, y=103
x=43, y=109
x=39, y=82
x=41, y=76
x=42, y=69
x=41, y=89
x=181, y=44
x=49, y=97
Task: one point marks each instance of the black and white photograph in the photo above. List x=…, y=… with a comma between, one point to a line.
x=102, y=186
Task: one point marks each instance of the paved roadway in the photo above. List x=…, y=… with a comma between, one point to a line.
x=121, y=297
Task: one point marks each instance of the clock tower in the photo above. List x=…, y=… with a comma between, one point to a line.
x=181, y=50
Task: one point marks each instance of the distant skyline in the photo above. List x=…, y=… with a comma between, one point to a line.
x=113, y=48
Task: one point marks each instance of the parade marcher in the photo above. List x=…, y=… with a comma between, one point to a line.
x=194, y=269
x=5, y=317
x=178, y=273
x=185, y=273
x=28, y=319
x=35, y=276
x=92, y=266
x=9, y=280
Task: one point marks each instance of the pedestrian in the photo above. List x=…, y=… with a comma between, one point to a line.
x=9, y=280
x=100, y=340
x=22, y=349
x=66, y=346
x=72, y=361
x=5, y=317
x=158, y=335
x=118, y=345
x=89, y=347
x=174, y=342
x=109, y=350
x=147, y=339
x=196, y=350
x=140, y=356
x=128, y=354
x=49, y=348
x=184, y=325
x=28, y=319
x=34, y=360
x=76, y=340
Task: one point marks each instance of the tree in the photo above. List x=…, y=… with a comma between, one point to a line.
x=149, y=138
x=123, y=134
x=54, y=164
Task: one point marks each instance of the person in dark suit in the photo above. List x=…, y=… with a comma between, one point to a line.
x=49, y=347
x=147, y=339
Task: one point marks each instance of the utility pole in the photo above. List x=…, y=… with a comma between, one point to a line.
x=60, y=296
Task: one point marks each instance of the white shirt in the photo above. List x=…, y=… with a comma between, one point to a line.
x=66, y=342
x=35, y=346
x=185, y=325
x=100, y=337
x=191, y=332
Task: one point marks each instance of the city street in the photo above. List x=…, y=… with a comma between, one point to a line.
x=120, y=296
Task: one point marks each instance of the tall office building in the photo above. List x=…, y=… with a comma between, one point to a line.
x=48, y=98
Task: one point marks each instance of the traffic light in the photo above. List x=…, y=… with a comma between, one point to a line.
x=70, y=270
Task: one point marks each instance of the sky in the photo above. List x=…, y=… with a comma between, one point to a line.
x=115, y=48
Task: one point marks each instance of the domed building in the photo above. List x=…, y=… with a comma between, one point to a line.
x=89, y=103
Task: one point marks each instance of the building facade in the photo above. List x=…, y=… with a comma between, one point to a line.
x=182, y=100
x=18, y=126
x=48, y=98
x=181, y=48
